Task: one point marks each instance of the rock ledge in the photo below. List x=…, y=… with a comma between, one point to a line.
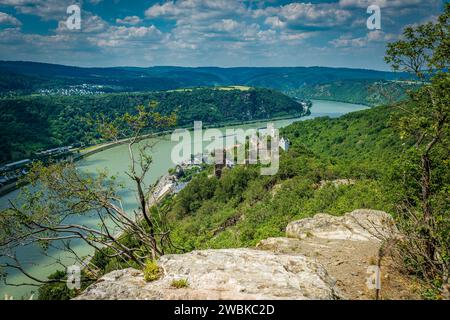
x=304, y=265
x=222, y=274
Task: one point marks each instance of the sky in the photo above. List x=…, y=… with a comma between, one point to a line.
x=225, y=33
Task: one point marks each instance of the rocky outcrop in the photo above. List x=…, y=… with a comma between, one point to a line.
x=359, y=225
x=222, y=274
x=335, y=183
x=346, y=246
x=323, y=257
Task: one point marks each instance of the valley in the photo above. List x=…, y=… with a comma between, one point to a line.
x=115, y=161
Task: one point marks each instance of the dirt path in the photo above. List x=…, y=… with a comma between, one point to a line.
x=347, y=262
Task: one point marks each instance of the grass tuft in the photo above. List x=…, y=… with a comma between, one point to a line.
x=151, y=271
x=182, y=283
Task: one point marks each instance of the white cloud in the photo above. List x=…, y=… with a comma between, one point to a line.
x=46, y=9
x=130, y=20
x=275, y=22
x=7, y=19
x=347, y=41
x=384, y=3
x=371, y=37
x=168, y=9
x=196, y=10
x=380, y=36
x=226, y=25
x=221, y=32
x=90, y=23
x=297, y=15
x=131, y=36
x=296, y=36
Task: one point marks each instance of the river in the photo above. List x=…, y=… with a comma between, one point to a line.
x=115, y=160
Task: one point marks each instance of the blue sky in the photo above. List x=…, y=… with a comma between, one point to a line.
x=207, y=32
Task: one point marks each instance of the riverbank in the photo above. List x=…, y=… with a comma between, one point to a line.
x=105, y=146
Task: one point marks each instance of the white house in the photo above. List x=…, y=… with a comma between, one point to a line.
x=284, y=144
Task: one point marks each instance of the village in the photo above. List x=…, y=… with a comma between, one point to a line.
x=11, y=173
x=178, y=178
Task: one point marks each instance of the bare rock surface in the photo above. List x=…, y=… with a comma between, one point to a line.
x=323, y=257
x=346, y=246
x=345, y=260
x=222, y=274
x=358, y=225
x=336, y=183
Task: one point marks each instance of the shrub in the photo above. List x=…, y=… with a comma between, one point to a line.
x=182, y=283
x=57, y=290
x=151, y=271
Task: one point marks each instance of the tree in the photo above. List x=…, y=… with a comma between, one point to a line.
x=48, y=216
x=425, y=52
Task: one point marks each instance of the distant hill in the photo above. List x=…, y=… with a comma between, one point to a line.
x=29, y=77
x=368, y=92
x=32, y=123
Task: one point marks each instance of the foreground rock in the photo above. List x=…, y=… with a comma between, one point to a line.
x=323, y=257
x=346, y=246
x=222, y=274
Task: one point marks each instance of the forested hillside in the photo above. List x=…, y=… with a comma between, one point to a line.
x=368, y=92
x=342, y=84
x=334, y=165
x=31, y=123
x=244, y=207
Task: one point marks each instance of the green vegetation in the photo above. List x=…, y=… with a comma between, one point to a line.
x=32, y=123
x=368, y=92
x=181, y=283
x=30, y=77
x=242, y=207
x=396, y=155
x=423, y=215
x=46, y=215
x=57, y=288
x=56, y=291
x=151, y=271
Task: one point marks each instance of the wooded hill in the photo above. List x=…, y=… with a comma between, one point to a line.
x=32, y=123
